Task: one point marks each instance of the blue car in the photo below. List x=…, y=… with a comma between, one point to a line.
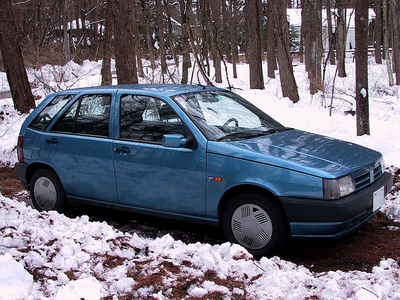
x=201, y=154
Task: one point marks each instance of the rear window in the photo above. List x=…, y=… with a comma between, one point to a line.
x=88, y=115
x=44, y=118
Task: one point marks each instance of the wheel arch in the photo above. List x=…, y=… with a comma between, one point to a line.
x=247, y=188
x=32, y=168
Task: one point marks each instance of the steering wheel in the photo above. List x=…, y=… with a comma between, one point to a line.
x=46, y=117
x=225, y=126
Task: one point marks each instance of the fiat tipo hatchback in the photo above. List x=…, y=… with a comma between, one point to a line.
x=197, y=153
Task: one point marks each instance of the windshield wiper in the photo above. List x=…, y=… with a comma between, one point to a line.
x=275, y=130
x=251, y=134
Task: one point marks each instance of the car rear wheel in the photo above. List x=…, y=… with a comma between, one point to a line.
x=47, y=192
x=255, y=222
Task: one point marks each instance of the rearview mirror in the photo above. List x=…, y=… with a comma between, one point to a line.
x=174, y=141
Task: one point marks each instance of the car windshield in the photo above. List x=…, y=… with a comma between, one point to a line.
x=225, y=116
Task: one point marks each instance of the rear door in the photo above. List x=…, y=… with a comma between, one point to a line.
x=151, y=176
x=79, y=148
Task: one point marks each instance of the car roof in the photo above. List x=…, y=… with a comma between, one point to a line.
x=162, y=89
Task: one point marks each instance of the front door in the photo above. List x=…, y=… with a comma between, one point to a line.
x=151, y=176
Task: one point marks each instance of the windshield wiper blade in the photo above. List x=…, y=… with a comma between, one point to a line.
x=252, y=134
x=275, y=130
x=235, y=135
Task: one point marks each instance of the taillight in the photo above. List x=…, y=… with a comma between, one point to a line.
x=20, y=149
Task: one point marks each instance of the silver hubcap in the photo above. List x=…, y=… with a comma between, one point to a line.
x=251, y=226
x=45, y=193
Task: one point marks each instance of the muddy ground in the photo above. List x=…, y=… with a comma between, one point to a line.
x=362, y=250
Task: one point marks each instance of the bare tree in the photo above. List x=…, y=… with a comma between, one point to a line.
x=234, y=42
x=138, y=49
x=312, y=21
x=64, y=9
x=341, y=34
x=361, y=56
x=106, y=76
x=271, y=47
x=255, y=50
x=395, y=18
x=378, y=31
x=185, y=6
x=225, y=30
x=331, y=38
x=386, y=42
x=215, y=25
x=146, y=10
x=125, y=56
x=13, y=62
x=161, y=36
x=169, y=36
x=286, y=74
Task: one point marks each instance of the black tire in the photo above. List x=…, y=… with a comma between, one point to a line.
x=256, y=223
x=47, y=192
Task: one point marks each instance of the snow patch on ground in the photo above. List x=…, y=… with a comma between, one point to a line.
x=75, y=259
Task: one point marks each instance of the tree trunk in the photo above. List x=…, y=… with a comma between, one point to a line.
x=204, y=38
x=184, y=6
x=64, y=9
x=271, y=47
x=395, y=15
x=255, y=49
x=286, y=75
x=331, y=39
x=13, y=61
x=313, y=43
x=386, y=43
x=341, y=38
x=302, y=32
x=234, y=33
x=147, y=19
x=215, y=26
x=378, y=32
x=161, y=35
x=226, y=33
x=305, y=31
x=170, y=34
x=106, y=76
x=361, y=56
x=124, y=41
x=138, y=48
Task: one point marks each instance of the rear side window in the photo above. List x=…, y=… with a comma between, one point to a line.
x=90, y=115
x=44, y=118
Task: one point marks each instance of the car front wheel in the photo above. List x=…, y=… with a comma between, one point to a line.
x=255, y=222
x=47, y=192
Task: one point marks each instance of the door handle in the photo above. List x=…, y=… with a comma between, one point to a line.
x=52, y=141
x=123, y=150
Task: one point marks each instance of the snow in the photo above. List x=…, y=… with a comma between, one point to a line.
x=46, y=255
x=363, y=92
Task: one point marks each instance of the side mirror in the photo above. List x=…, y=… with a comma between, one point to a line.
x=174, y=141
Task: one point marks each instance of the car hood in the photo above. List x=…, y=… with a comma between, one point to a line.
x=300, y=151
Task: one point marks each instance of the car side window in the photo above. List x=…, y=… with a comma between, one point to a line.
x=43, y=119
x=90, y=115
x=144, y=118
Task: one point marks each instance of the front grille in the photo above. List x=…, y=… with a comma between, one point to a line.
x=368, y=175
x=362, y=180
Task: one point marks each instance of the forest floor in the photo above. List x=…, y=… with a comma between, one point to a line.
x=361, y=250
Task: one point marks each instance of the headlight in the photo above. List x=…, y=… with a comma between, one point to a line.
x=337, y=188
x=382, y=163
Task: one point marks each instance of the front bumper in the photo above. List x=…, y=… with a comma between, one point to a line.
x=314, y=218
